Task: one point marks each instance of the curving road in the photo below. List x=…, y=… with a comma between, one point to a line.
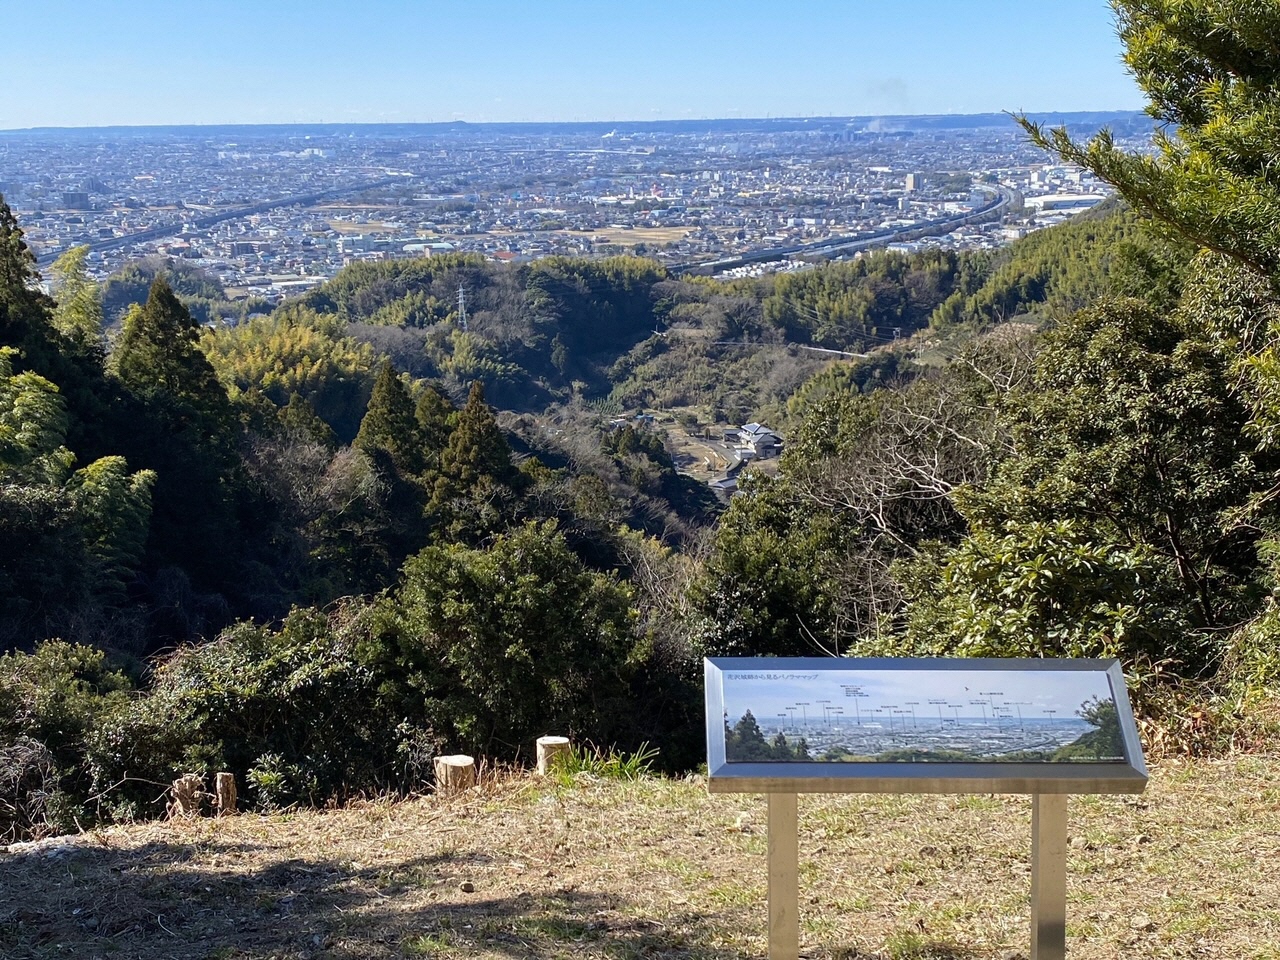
x=208, y=220
x=1004, y=197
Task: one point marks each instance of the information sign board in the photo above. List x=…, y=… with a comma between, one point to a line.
x=1049, y=728
x=800, y=724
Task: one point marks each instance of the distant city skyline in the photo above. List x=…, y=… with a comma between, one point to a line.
x=85, y=63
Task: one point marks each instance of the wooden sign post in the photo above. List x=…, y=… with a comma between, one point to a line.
x=1048, y=728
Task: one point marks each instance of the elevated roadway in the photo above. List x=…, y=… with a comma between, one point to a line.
x=836, y=245
x=235, y=213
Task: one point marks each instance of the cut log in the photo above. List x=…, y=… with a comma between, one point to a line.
x=454, y=774
x=551, y=750
x=225, y=793
x=187, y=795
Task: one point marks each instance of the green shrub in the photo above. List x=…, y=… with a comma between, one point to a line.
x=480, y=650
x=1042, y=590
x=292, y=703
x=496, y=647
x=50, y=700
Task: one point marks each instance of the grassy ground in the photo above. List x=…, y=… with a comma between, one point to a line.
x=650, y=235
x=354, y=228
x=658, y=868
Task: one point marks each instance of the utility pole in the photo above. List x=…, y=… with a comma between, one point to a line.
x=462, y=308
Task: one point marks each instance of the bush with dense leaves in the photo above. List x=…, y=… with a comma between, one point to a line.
x=478, y=651
x=499, y=646
x=51, y=701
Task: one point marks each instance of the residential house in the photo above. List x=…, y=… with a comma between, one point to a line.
x=760, y=440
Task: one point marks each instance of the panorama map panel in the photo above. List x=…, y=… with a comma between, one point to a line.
x=951, y=716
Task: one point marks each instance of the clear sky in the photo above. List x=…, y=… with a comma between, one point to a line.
x=100, y=62
x=1035, y=691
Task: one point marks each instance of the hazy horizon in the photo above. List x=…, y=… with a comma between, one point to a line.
x=619, y=121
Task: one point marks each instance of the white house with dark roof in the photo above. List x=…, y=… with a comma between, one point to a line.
x=760, y=440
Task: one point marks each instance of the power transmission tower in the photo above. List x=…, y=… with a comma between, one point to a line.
x=462, y=308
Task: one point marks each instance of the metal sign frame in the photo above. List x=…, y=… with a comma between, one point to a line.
x=918, y=777
x=1048, y=782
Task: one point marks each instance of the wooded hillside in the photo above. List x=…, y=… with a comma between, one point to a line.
x=320, y=546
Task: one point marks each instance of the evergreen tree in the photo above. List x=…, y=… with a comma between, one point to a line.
x=435, y=415
x=748, y=740
x=389, y=423
x=559, y=355
x=158, y=358
x=474, y=493
x=514, y=639
x=476, y=450
x=177, y=420
x=299, y=417
x=1123, y=494
x=779, y=748
x=1211, y=71
x=17, y=262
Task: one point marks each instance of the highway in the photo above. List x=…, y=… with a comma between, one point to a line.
x=208, y=220
x=998, y=204
x=829, y=246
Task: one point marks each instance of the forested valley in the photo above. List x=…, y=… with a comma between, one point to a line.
x=318, y=546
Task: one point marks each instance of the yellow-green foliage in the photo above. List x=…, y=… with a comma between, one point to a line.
x=870, y=298
x=296, y=351
x=371, y=290
x=1053, y=272
x=466, y=357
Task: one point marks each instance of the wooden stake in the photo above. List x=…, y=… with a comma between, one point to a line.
x=454, y=774
x=225, y=793
x=550, y=750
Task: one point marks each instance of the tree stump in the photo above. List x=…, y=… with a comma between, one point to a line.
x=551, y=750
x=454, y=774
x=187, y=796
x=225, y=793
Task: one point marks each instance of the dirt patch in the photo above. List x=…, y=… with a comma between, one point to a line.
x=361, y=228
x=658, y=868
x=631, y=237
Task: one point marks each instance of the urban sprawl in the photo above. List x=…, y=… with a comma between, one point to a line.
x=273, y=211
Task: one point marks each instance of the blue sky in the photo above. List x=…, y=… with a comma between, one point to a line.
x=98, y=62
x=1034, y=690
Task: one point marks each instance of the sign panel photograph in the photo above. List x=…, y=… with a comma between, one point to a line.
x=1016, y=721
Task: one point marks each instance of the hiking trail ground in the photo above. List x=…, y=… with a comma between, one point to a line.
x=657, y=868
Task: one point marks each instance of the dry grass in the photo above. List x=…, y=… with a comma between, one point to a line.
x=354, y=228
x=658, y=868
x=614, y=235
x=650, y=235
